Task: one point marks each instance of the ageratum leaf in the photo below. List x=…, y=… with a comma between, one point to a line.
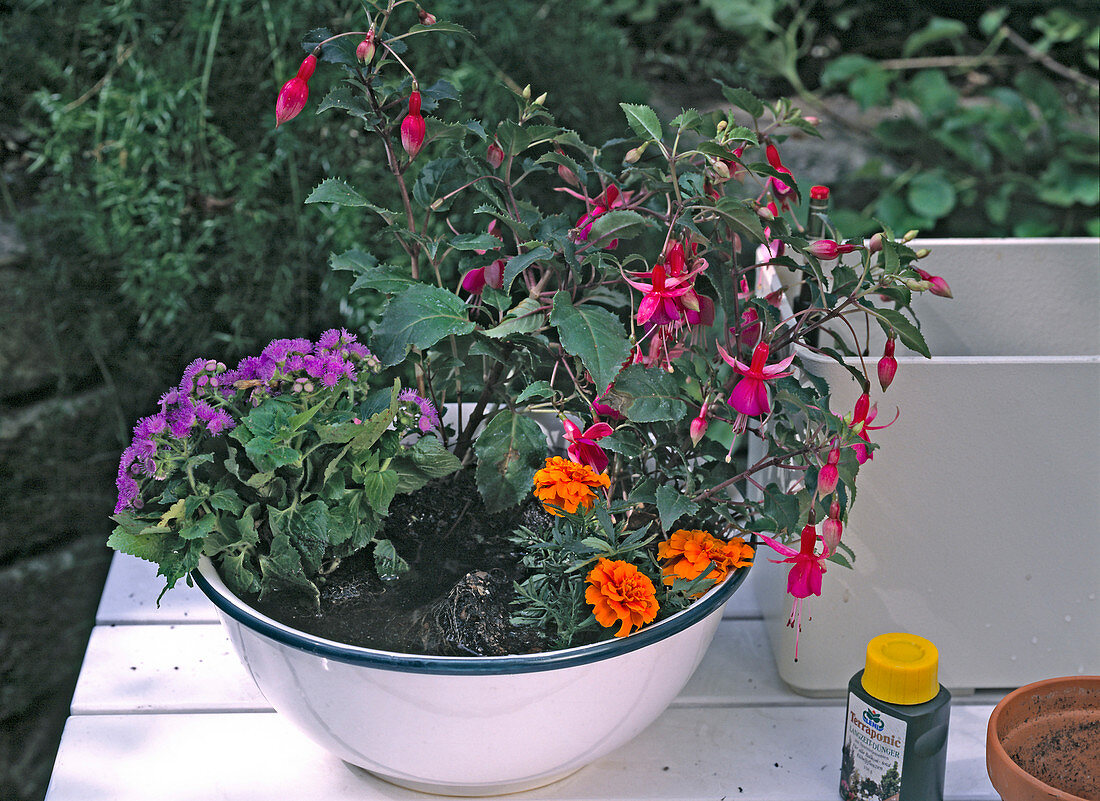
x=510, y=450
x=650, y=394
x=594, y=335
x=420, y=316
x=643, y=120
x=387, y=561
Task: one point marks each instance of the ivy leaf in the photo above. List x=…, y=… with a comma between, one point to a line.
x=510, y=450
x=649, y=395
x=643, y=120
x=594, y=335
x=672, y=505
x=420, y=316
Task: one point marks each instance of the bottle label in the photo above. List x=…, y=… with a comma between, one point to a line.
x=874, y=744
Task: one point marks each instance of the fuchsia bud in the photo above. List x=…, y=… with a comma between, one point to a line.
x=828, y=476
x=494, y=155
x=699, y=426
x=832, y=529
x=887, y=365
x=875, y=244
x=939, y=286
x=827, y=249
x=365, y=51
x=413, y=127
x=295, y=92
x=425, y=17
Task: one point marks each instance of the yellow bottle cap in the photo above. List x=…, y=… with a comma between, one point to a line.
x=901, y=669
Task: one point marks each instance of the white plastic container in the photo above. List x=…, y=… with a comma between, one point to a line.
x=977, y=524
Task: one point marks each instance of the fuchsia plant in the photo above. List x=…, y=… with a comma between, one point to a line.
x=610, y=288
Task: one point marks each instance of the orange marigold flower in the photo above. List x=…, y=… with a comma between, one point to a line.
x=567, y=485
x=690, y=552
x=619, y=593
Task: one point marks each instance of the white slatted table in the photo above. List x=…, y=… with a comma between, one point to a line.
x=164, y=710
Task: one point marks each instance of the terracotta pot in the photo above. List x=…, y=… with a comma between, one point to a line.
x=1043, y=741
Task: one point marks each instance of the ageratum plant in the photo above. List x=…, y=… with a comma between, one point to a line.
x=638, y=295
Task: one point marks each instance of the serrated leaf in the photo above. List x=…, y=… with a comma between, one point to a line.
x=539, y=389
x=476, y=242
x=517, y=264
x=596, y=336
x=343, y=97
x=333, y=190
x=387, y=561
x=672, y=504
x=374, y=426
x=643, y=120
x=510, y=450
x=649, y=394
x=744, y=99
x=617, y=224
x=908, y=333
x=200, y=528
x=420, y=316
x=523, y=318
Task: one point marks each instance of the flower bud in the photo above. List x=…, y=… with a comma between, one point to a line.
x=365, y=51
x=923, y=253
x=425, y=17
x=910, y=235
x=825, y=249
x=814, y=121
x=295, y=92
x=829, y=476
x=540, y=99
x=832, y=529
x=634, y=154
x=874, y=245
x=699, y=426
x=413, y=127
x=494, y=155
x=721, y=170
x=937, y=285
x=765, y=213
x=526, y=93
x=917, y=286
x=887, y=365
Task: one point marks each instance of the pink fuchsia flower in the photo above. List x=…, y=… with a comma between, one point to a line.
x=610, y=198
x=862, y=417
x=475, y=280
x=780, y=189
x=804, y=579
x=582, y=444
x=295, y=92
x=827, y=249
x=659, y=306
x=939, y=286
x=887, y=365
x=413, y=127
x=750, y=394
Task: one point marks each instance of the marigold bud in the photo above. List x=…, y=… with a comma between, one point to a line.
x=365, y=51
x=494, y=155
x=295, y=92
x=887, y=365
x=413, y=127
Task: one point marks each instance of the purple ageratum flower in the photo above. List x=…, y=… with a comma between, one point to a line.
x=180, y=421
x=221, y=421
x=149, y=426
x=187, y=383
x=331, y=339
x=429, y=417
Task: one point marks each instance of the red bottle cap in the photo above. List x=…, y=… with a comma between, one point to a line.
x=819, y=193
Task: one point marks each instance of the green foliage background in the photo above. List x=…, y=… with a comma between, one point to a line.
x=167, y=212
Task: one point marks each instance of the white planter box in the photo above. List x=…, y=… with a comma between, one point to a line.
x=977, y=524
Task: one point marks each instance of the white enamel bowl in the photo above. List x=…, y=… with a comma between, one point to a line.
x=470, y=725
